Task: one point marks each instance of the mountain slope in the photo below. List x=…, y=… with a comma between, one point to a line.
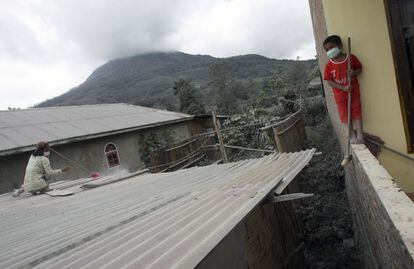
x=148, y=79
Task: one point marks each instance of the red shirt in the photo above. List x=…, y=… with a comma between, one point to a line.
x=337, y=72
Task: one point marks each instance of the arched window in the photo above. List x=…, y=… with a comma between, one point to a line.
x=111, y=154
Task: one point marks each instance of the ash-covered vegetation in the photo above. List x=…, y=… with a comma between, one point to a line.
x=329, y=238
x=148, y=79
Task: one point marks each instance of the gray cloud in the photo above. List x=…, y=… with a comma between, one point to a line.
x=279, y=29
x=49, y=46
x=109, y=29
x=17, y=40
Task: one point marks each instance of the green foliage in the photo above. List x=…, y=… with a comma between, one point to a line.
x=280, y=89
x=248, y=135
x=189, y=101
x=315, y=110
x=297, y=74
x=152, y=141
x=269, y=94
x=278, y=95
x=223, y=89
x=277, y=81
x=220, y=76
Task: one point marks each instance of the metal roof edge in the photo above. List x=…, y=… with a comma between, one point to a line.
x=260, y=197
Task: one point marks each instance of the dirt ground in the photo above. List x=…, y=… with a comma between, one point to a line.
x=328, y=233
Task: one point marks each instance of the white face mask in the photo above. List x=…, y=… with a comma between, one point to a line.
x=46, y=153
x=332, y=53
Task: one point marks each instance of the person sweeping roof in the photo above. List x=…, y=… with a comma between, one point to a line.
x=38, y=171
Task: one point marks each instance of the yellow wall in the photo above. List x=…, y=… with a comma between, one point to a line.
x=365, y=22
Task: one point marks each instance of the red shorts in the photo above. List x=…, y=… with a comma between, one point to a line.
x=355, y=109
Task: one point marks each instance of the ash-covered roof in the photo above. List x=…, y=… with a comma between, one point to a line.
x=166, y=220
x=20, y=129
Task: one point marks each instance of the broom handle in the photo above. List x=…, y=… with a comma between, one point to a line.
x=73, y=162
x=349, y=97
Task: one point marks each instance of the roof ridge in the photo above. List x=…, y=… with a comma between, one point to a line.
x=70, y=106
x=90, y=105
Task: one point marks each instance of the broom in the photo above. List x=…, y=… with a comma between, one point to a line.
x=93, y=175
x=348, y=155
x=372, y=142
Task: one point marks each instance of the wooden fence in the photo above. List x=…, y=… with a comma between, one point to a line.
x=180, y=155
x=290, y=133
x=289, y=137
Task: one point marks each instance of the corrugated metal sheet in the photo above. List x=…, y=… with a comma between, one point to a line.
x=167, y=220
x=21, y=128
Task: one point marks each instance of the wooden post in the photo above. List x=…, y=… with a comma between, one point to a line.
x=220, y=139
x=290, y=133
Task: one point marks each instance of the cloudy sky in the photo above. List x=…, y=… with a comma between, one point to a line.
x=50, y=46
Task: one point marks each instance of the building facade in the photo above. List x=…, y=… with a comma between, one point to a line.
x=110, y=149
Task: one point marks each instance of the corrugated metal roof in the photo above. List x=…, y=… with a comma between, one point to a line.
x=22, y=128
x=166, y=220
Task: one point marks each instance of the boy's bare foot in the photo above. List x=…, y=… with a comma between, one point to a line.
x=353, y=138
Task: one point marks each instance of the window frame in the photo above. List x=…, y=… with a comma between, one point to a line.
x=405, y=79
x=111, y=152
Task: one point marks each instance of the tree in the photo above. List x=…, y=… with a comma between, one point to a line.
x=271, y=91
x=189, y=101
x=224, y=89
x=297, y=74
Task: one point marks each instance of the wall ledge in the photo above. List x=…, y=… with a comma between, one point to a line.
x=396, y=203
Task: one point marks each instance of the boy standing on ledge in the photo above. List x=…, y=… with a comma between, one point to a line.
x=336, y=74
